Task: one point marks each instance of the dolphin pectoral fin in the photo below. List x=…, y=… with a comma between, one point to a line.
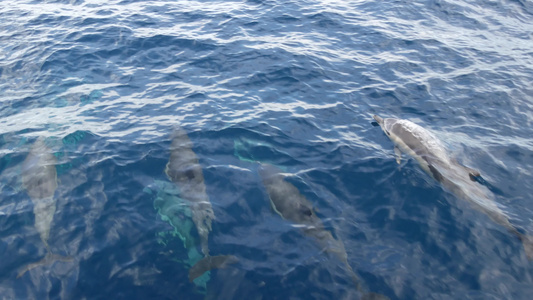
x=398, y=154
x=48, y=259
x=209, y=263
x=473, y=174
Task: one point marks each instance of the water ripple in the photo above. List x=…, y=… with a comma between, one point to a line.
x=289, y=83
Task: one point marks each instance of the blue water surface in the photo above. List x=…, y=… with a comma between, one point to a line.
x=291, y=83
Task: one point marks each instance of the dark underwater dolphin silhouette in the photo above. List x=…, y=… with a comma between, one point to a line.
x=292, y=206
x=39, y=179
x=184, y=170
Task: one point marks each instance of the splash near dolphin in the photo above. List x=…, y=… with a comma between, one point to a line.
x=39, y=179
x=433, y=158
x=291, y=205
x=184, y=170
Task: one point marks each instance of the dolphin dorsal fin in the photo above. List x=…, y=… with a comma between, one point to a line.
x=436, y=174
x=473, y=174
x=305, y=210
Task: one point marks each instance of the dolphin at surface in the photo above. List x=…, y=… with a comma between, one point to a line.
x=184, y=170
x=429, y=152
x=287, y=201
x=39, y=179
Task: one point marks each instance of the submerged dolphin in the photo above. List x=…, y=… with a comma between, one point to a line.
x=39, y=178
x=184, y=170
x=287, y=201
x=428, y=151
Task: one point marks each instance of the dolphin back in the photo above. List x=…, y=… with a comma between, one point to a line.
x=39, y=178
x=184, y=170
x=39, y=175
x=417, y=139
x=290, y=204
x=286, y=199
x=183, y=167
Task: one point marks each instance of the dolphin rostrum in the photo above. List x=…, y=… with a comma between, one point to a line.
x=429, y=152
x=291, y=205
x=184, y=170
x=39, y=179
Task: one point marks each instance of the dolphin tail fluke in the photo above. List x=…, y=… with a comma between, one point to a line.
x=527, y=241
x=209, y=263
x=48, y=259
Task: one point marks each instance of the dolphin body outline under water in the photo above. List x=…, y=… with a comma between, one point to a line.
x=291, y=205
x=39, y=179
x=184, y=170
x=461, y=181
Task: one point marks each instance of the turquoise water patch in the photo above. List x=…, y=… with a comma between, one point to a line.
x=176, y=212
x=254, y=151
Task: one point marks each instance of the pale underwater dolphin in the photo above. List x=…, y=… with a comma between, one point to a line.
x=39, y=178
x=184, y=170
x=287, y=201
x=429, y=152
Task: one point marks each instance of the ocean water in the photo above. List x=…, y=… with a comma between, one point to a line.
x=290, y=83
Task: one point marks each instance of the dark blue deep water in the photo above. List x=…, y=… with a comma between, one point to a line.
x=291, y=83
